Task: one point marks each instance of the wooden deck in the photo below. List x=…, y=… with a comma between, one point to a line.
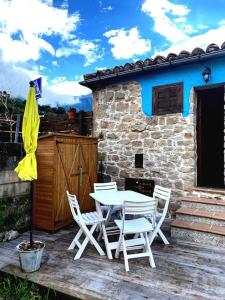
x=183, y=271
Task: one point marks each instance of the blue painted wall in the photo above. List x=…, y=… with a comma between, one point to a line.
x=190, y=75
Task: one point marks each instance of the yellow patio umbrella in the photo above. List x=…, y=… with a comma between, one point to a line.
x=27, y=167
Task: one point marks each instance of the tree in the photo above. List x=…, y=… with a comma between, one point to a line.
x=7, y=108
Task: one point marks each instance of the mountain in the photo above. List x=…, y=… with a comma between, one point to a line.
x=85, y=103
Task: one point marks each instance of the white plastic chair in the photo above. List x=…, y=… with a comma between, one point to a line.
x=140, y=226
x=107, y=186
x=84, y=220
x=162, y=195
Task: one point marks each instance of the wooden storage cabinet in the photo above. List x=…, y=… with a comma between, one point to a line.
x=64, y=162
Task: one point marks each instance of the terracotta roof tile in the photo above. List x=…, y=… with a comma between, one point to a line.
x=197, y=51
x=184, y=54
x=158, y=60
x=212, y=48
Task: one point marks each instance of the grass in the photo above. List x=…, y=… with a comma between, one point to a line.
x=14, y=288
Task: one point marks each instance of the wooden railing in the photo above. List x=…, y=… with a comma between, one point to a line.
x=80, y=125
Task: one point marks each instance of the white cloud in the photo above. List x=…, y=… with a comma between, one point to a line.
x=41, y=68
x=21, y=51
x=108, y=8
x=24, y=30
x=201, y=40
x=55, y=63
x=38, y=18
x=64, y=4
x=22, y=27
x=127, y=43
x=78, y=78
x=188, y=29
x=15, y=80
x=166, y=25
x=58, y=79
x=72, y=88
x=88, y=49
x=204, y=26
x=65, y=51
x=170, y=21
x=100, y=68
x=180, y=20
x=222, y=22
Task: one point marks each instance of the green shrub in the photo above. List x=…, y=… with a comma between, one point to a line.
x=14, y=288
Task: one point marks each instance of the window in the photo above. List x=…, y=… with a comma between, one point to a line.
x=167, y=99
x=138, y=160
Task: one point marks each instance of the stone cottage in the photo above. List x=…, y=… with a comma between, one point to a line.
x=163, y=119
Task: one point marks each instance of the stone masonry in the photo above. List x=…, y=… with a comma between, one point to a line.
x=14, y=193
x=167, y=142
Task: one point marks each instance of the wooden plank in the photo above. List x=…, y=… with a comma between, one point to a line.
x=183, y=270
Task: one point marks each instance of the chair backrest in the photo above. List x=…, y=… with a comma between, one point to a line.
x=74, y=206
x=162, y=194
x=140, y=208
x=147, y=207
x=107, y=186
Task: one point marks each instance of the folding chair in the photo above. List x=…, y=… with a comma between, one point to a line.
x=92, y=219
x=140, y=226
x=107, y=186
x=162, y=195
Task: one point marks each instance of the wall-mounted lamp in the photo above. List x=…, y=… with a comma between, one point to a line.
x=206, y=74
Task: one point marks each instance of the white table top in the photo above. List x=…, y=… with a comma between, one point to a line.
x=118, y=197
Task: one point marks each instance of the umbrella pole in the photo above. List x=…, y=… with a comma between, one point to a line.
x=31, y=215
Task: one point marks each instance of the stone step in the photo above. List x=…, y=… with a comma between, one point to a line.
x=203, y=203
x=198, y=232
x=201, y=216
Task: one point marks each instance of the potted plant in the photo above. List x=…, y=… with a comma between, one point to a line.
x=30, y=255
x=71, y=113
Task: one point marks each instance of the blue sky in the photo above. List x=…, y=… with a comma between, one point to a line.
x=61, y=40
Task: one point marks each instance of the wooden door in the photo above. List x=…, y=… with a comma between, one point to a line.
x=210, y=137
x=88, y=173
x=67, y=157
x=76, y=172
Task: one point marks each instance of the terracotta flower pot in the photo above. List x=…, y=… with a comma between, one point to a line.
x=71, y=114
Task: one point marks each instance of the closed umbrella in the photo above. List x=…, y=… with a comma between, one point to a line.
x=27, y=167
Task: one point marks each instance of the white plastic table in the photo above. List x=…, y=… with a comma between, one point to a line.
x=111, y=198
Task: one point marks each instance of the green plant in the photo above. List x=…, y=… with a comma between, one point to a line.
x=101, y=155
x=2, y=218
x=14, y=288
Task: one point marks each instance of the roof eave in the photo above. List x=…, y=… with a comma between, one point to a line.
x=91, y=83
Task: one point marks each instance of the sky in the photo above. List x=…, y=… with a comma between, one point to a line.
x=60, y=40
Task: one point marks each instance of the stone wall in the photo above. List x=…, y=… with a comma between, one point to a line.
x=14, y=194
x=167, y=142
